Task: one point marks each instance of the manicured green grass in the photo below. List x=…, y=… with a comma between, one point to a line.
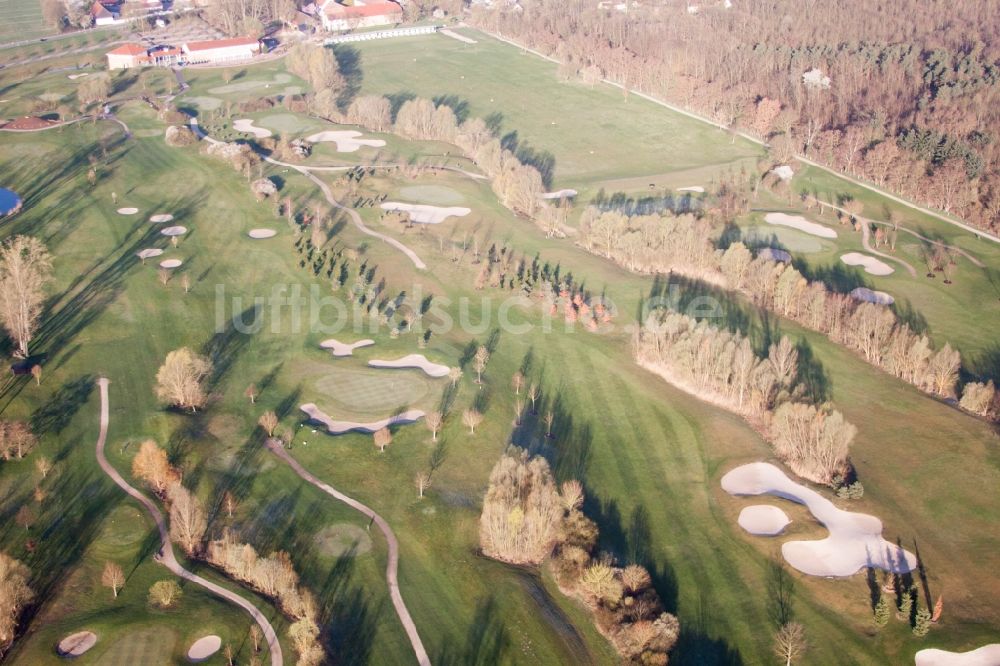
x=21, y=19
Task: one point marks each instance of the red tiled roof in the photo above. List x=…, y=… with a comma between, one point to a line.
x=220, y=43
x=335, y=10
x=99, y=10
x=129, y=50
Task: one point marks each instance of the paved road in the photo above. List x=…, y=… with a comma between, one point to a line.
x=166, y=554
x=391, y=569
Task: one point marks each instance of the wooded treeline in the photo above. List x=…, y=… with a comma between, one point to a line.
x=686, y=245
x=906, y=95
x=722, y=367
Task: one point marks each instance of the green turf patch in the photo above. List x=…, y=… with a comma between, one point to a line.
x=145, y=646
x=370, y=391
x=786, y=239
x=342, y=539
x=204, y=103
x=431, y=194
x=252, y=84
x=287, y=123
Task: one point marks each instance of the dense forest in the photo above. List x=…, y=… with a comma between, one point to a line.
x=905, y=94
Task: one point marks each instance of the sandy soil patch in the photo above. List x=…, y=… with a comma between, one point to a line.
x=784, y=172
x=773, y=254
x=128, y=211
x=867, y=295
x=800, y=223
x=455, y=35
x=246, y=125
x=174, y=231
x=692, y=188
x=160, y=218
x=413, y=361
x=262, y=233
x=149, y=253
x=343, y=539
x=253, y=84
x=426, y=214
x=855, y=540
x=203, y=648
x=871, y=265
x=559, y=194
x=763, y=520
x=988, y=655
x=76, y=644
x=339, y=348
x=171, y=263
x=435, y=194
x=340, y=427
x=347, y=140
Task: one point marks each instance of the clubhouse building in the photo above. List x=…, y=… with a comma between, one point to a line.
x=214, y=52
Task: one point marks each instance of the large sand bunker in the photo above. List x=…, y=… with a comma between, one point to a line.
x=262, y=233
x=174, y=231
x=347, y=140
x=560, y=194
x=246, y=125
x=763, y=520
x=988, y=655
x=855, y=540
x=800, y=223
x=867, y=295
x=413, y=361
x=149, y=253
x=128, y=211
x=76, y=644
x=203, y=648
x=871, y=265
x=340, y=427
x=425, y=214
x=339, y=348
x=171, y=263
x=692, y=188
x=162, y=217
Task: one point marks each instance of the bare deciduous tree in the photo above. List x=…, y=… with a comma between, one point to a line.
x=790, y=642
x=164, y=593
x=268, y=421
x=187, y=518
x=433, y=420
x=472, y=418
x=36, y=372
x=382, y=439
x=25, y=269
x=151, y=465
x=517, y=381
x=251, y=393
x=480, y=360
x=14, y=596
x=180, y=378
x=423, y=482
x=454, y=374
x=113, y=577
x=43, y=465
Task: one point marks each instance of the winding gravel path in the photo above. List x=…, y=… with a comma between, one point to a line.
x=391, y=569
x=166, y=554
x=328, y=195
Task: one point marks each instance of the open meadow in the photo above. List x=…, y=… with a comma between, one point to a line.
x=650, y=456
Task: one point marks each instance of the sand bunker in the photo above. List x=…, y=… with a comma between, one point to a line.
x=162, y=217
x=424, y=214
x=171, y=263
x=149, y=253
x=800, y=223
x=559, y=194
x=246, y=125
x=262, y=233
x=339, y=348
x=869, y=296
x=783, y=172
x=74, y=77
x=340, y=427
x=692, y=188
x=174, y=231
x=871, y=265
x=76, y=644
x=772, y=254
x=129, y=211
x=988, y=655
x=343, y=539
x=763, y=520
x=203, y=648
x=347, y=140
x=855, y=540
x=413, y=361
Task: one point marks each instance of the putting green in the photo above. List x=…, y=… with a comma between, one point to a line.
x=146, y=646
x=786, y=239
x=203, y=103
x=371, y=390
x=431, y=194
x=287, y=122
x=342, y=539
x=253, y=84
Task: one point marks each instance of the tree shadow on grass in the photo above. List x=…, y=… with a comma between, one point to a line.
x=485, y=643
x=62, y=406
x=349, y=64
x=350, y=616
x=227, y=345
